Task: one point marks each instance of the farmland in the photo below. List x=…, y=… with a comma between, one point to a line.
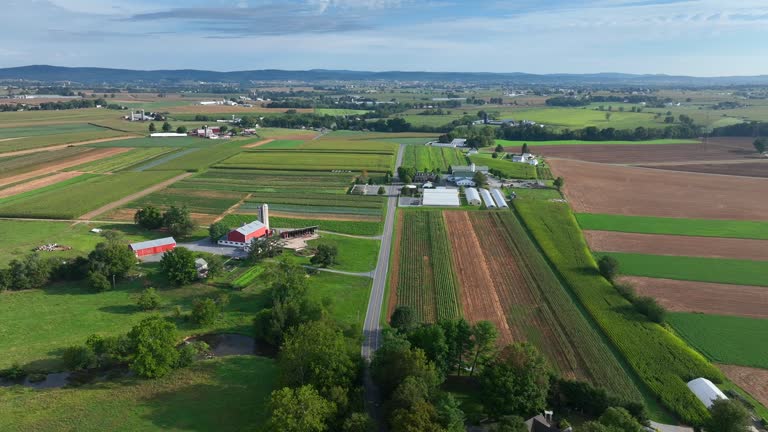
x=515, y=146
x=660, y=359
x=718, y=270
x=725, y=339
x=428, y=158
x=124, y=161
x=14, y=169
x=352, y=227
x=85, y=133
x=423, y=277
x=508, y=282
x=310, y=160
x=675, y=226
x=507, y=168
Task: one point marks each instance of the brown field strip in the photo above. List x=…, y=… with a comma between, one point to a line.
x=752, y=168
x=480, y=297
x=38, y=183
x=712, y=298
x=79, y=159
x=259, y=143
x=63, y=146
x=612, y=189
x=657, y=244
x=752, y=380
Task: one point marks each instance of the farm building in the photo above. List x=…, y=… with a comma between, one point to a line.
x=457, y=142
x=166, y=135
x=473, y=198
x=706, y=391
x=244, y=235
x=525, y=158
x=441, y=197
x=299, y=232
x=208, y=131
x=487, y=199
x=153, y=247
x=465, y=182
x=201, y=266
x=498, y=196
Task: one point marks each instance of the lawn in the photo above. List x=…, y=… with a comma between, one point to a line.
x=509, y=169
x=225, y=394
x=348, y=294
x=718, y=270
x=536, y=194
x=725, y=339
x=533, y=144
x=364, y=228
x=355, y=255
x=675, y=226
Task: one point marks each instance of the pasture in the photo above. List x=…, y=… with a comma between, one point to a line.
x=725, y=339
x=717, y=270
x=660, y=359
x=675, y=226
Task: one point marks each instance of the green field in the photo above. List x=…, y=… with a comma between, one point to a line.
x=282, y=144
x=355, y=255
x=40, y=141
x=198, y=201
x=533, y=144
x=14, y=165
x=428, y=158
x=35, y=118
x=75, y=199
x=183, y=142
x=718, y=270
x=675, y=226
x=661, y=360
x=309, y=160
x=200, y=158
x=348, y=294
x=509, y=169
x=425, y=277
x=725, y=339
x=196, y=398
x=339, y=112
x=363, y=228
x=122, y=161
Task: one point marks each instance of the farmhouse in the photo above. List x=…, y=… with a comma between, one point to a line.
x=525, y=158
x=543, y=423
x=241, y=237
x=473, y=198
x=498, y=197
x=441, y=197
x=153, y=247
x=457, y=142
x=706, y=391
x=487, y=199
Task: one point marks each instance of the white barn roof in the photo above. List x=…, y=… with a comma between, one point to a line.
x=251, y=227
x=487, y=198
x=441, y=197
x=499, y=198
x=152, y=243
x=473, y=197
x=706, y=391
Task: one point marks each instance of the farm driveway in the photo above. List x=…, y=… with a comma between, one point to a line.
x=132, y=197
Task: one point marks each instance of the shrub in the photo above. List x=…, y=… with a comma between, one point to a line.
x=188, y=352
x=79, y=357
x=649, y=307
x=98, y=282
x=608, y=267
x=15, y=372
x=626, y=290
x=149, y=299
x=325, y=255
x=205, y=312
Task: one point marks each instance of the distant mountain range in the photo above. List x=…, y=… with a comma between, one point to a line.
x=91, y=76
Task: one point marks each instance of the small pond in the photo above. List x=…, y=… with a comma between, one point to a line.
x=229, y=344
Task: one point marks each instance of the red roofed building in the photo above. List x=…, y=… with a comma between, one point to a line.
x=245, y=234
x=153, y=247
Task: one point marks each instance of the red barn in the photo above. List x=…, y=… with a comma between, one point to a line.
x=153, y=247
x=245, y=234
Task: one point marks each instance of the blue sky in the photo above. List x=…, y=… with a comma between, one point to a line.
x=692, y=37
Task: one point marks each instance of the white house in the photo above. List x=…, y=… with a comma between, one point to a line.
x=525, y=158
x=464, y=182
x=473, y=198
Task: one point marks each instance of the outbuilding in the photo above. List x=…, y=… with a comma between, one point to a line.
x=498, y=196
x=706, y=391
x=486, y=196
x=441, y=197
x=153, y=247
x=245, y=234
x=473, y=198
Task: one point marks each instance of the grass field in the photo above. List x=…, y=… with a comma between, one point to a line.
x=508, y=168
x=69, y=200
x=306, y=160
x=196, y=398
x=660, y=359
x=725, y=339
x=533, y=144
x=339, y=112
x=355, y=255
x=282, y=144
x=718, y=270
x=428, y=158
x=348, y=295
x=183, y=142
x=123, y=161
x=675, y=226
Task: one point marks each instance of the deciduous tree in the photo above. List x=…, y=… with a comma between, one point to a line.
x=179, y=266
x=299, y=410
x=515, y=382
x=148, y=217
x=154, y=347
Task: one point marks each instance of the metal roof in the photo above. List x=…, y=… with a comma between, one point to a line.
x=441, y=197
x=499, y=198
x=153, y=243
x=472, y=195
x=706, y=391
x=487, y=198
x=250, y=228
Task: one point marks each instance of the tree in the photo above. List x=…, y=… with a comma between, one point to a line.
x=205, y=312
x=760, y=145
x=431, y=339
x=111, y=258
x=152, y=128
x=382, y=190
x=608, y=266
x=167, y=127
x=217, y=230
x=525, y=149
x=265, y=247
x=299, y=410
x=419, y=417
x=559, y=183
x=316, y=353
x=480, y=179
x=621, y=420
x=515, y=382
x=495, y=156
x=510, y=424
x=608, y=116
x=181, y=130
x=149, y=299
x=449, y=413
x=179, y=266
x=154, y=347
x=223, y=128
x=499, y=149
x=484, y=334
x=98, y=282
x=178, y=221
x=651, y=308
x=78, y=358
x=148, y=218
x=403, y=318
x=358, y=422
x=728, y=415
x=396, y=360
x=325, y=256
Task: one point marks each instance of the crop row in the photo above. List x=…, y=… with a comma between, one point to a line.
x=25, y=163
x=197, y=201
x=39, y=141
x=426, y=280
x=580, y=346
x=357, y=201
x=247, y=277
x=122, y=161
x=427, y=158
x=316, y=209
x=661, y=360
x=308, y=161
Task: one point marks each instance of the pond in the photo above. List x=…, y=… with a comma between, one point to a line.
x=221, y=345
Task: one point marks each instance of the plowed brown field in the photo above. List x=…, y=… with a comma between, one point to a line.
x=711, y=298
x=654, y=244
x=752, y=380
x=756, y=168
x=612, y=189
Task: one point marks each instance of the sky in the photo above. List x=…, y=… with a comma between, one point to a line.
x=679, y=37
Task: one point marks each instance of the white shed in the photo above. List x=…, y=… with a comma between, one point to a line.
x=473, y=198
x=441, y=197
x=499, y=198
x=706, y=391
x=487, y=198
